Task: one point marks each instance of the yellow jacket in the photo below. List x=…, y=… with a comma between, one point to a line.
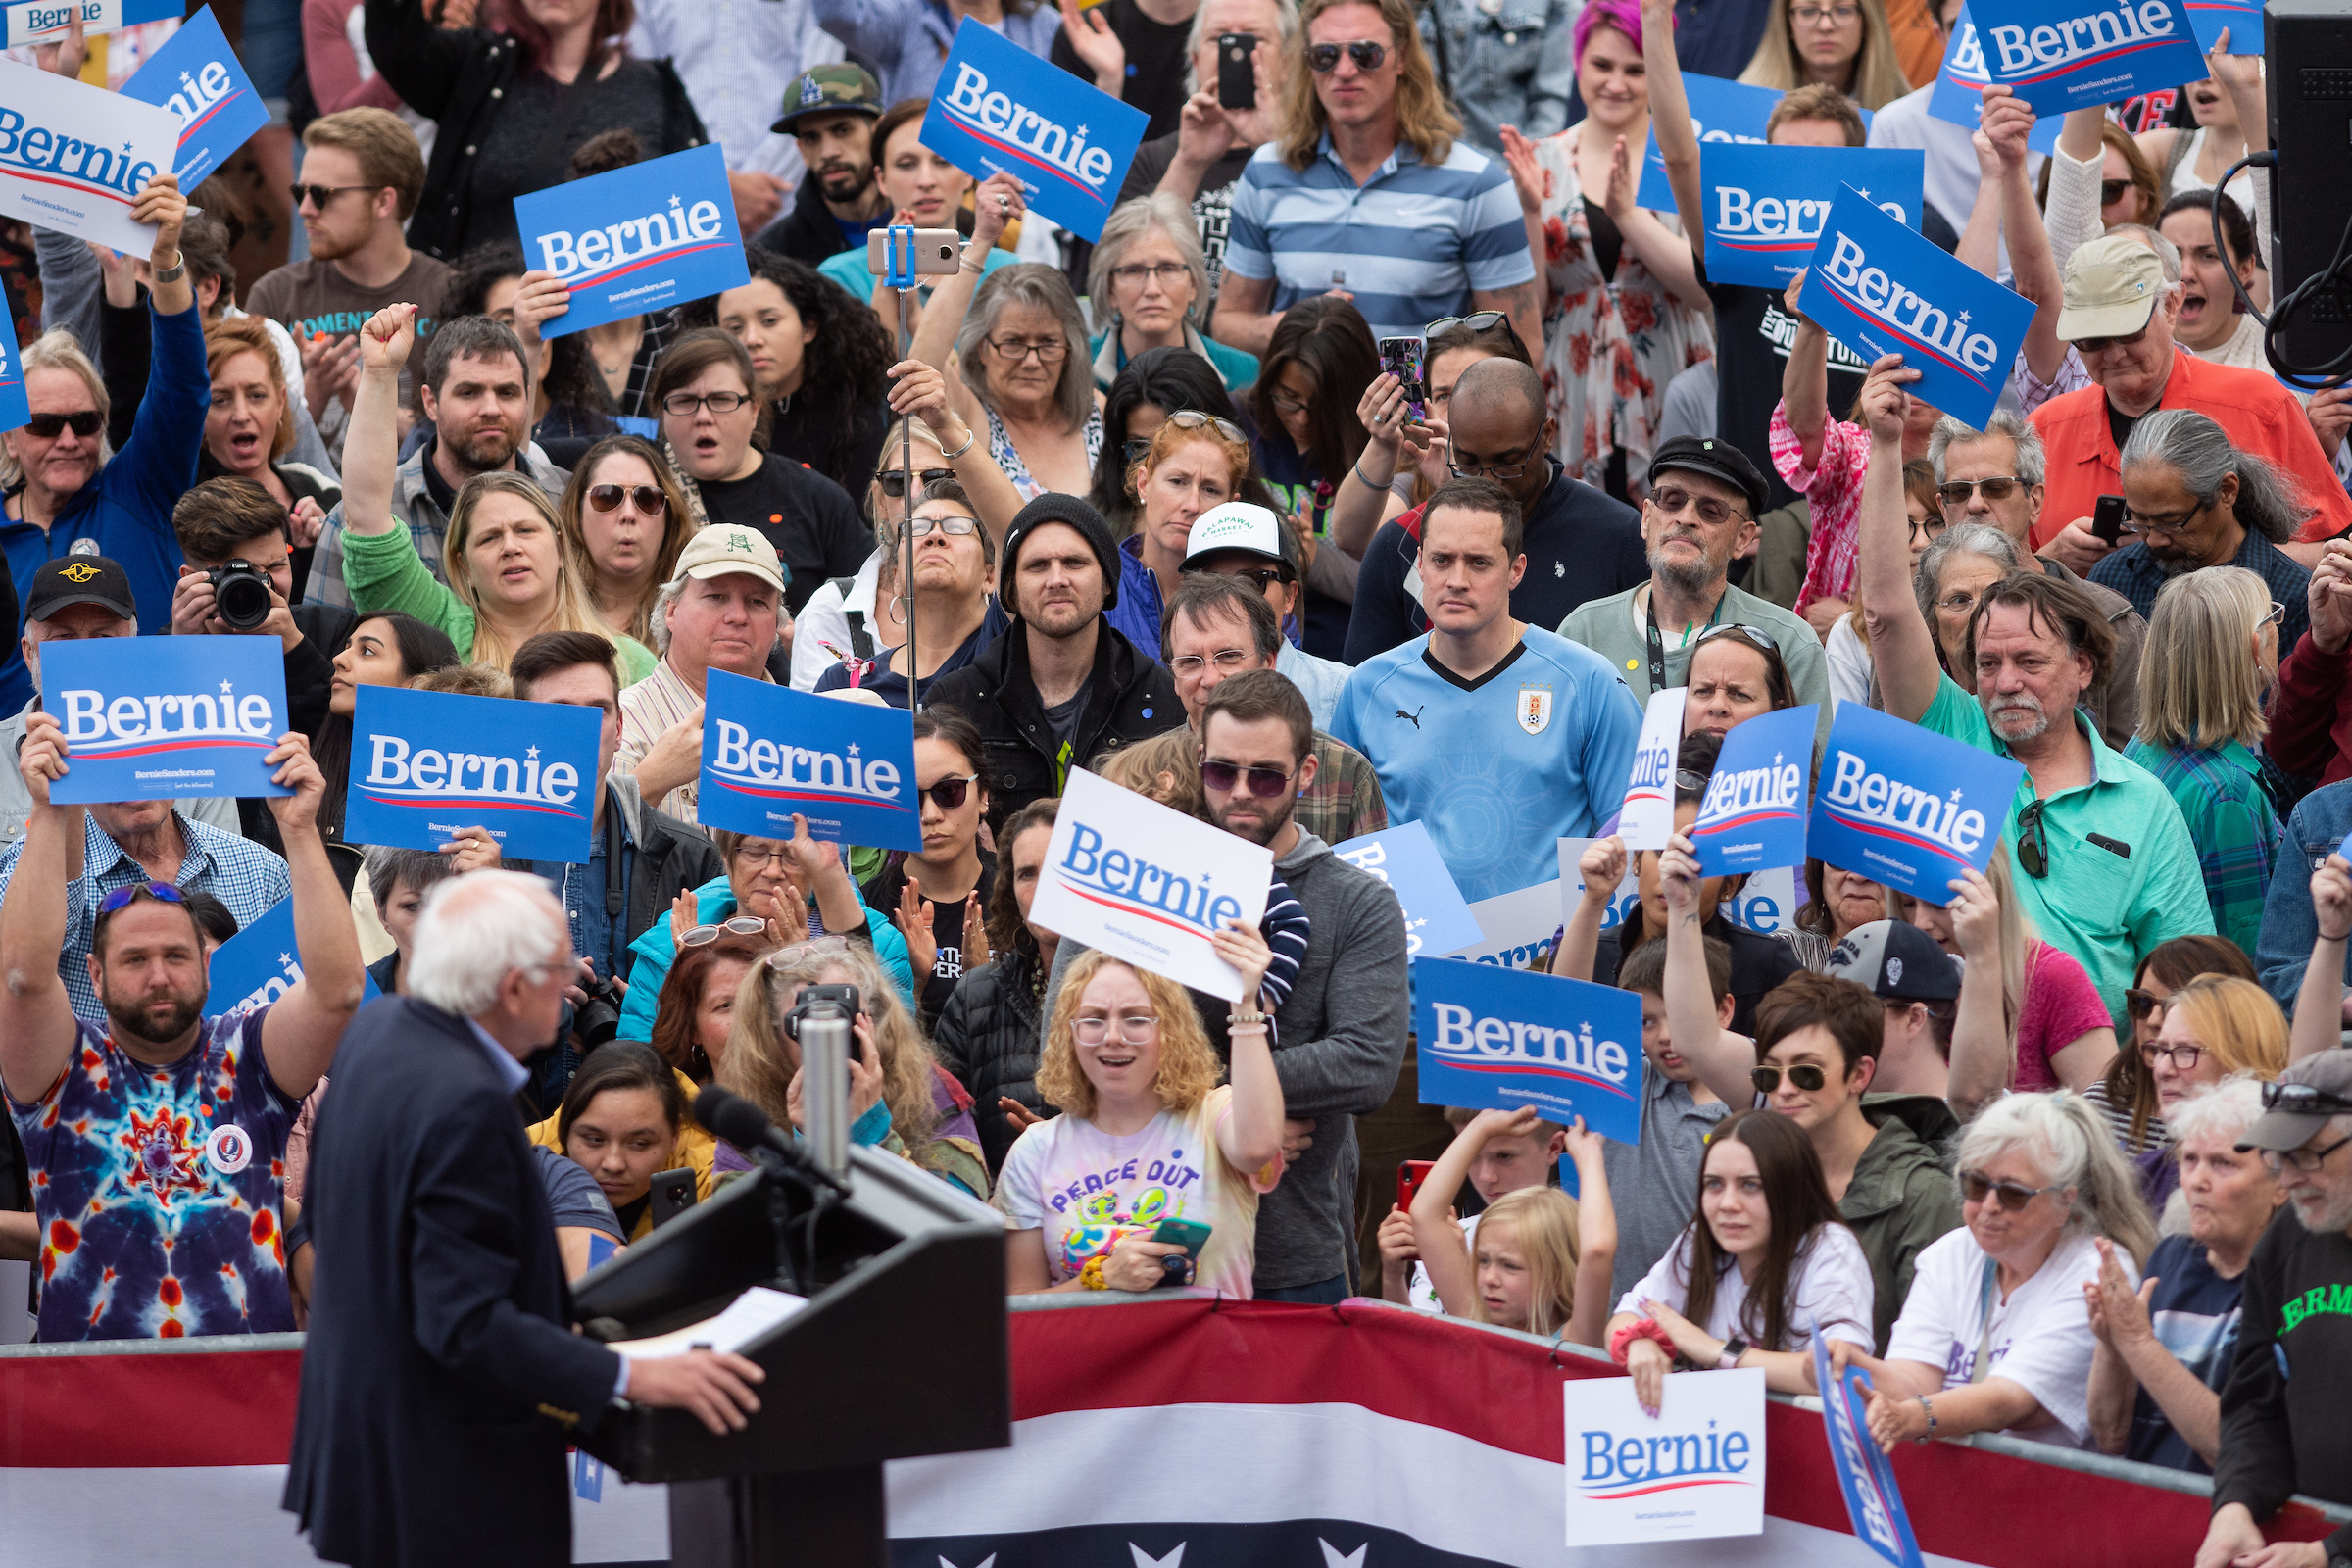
x=695, y=1149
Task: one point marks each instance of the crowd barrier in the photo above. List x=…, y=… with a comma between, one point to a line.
x=1175, y=1432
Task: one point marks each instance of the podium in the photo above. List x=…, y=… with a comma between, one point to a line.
x=900, y=1351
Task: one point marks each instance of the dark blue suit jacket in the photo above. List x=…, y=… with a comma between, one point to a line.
x=441, y=1374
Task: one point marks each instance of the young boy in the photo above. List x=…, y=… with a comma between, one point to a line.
x=1509, y=1150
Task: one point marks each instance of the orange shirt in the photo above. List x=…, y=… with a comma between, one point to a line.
x=1918, y=46
x=2260, y=413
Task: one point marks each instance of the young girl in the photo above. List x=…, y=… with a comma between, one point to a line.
x=1763, y=1268
x=1522, y=1264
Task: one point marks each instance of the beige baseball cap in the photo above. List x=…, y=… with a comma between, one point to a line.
x=2113, y=287
x=725, y=548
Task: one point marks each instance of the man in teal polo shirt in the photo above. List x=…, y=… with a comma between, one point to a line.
x=2098, y=855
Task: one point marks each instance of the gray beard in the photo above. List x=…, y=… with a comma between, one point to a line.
x=1692, y=581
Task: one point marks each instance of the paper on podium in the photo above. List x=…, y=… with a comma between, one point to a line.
x=750, y=1315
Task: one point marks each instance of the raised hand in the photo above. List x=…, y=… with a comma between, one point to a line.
x=1886, y=405
x=2332, y=898
x=1529, y=177
x=299, y=772
x=997, y=206
x=1602, y=865
x=913, y=920
x=1095, y=45
x=386, y=337
x=975, y=934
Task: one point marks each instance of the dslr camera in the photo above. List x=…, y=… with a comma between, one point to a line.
x=597, y=1019
x=826, y=1002
x=241, y=596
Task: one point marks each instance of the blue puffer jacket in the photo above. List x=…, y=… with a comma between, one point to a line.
x=124, y=512
x=715, y=901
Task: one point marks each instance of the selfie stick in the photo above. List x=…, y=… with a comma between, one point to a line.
x=898, y=256
x=825, y=1087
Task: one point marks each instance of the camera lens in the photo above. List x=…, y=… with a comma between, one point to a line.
x=241, y=596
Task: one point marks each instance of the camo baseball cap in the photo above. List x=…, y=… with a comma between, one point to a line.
x=830, y=89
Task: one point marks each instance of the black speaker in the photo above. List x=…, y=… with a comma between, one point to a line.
x=2308, y=63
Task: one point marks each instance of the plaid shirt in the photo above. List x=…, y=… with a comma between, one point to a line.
x=2231, y=822
x=249, y=879
x=1345, y=801
x=2139, y=576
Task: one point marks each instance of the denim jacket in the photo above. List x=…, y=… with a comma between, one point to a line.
x=2315, y=831
x=1511, y=63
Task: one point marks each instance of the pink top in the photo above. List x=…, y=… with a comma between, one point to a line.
x=333, y=64
x=2060, y=1005
x=1834, y=487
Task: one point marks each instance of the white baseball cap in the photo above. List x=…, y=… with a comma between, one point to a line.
x=1241, y=525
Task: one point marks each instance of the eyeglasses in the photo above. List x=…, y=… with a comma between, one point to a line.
x=1955, y=491
x=1505, y=469
x=1165, y=273
x=1749, y=634
x=741, y=925
x=1284, y=403
x=1135, y=1029
x=1805, y=1075
x=1673, y=499
x=154, y=890
x=758, y=857
x=2303, y=1159
x=1222, y=778
x=1475, y=321
x=683, y=404
x=949, y=793
x=83, y=423
x=1975, y=1185
x=1195, y=420
x=1690, y=779
x=1012, y=350
x=643, y=496
x=2141, y=1005
x=894, y=480
x=1823, y=16
x=2304, y=1100
x=1324, y=58
x=1136, y=448
x=2088, y=346
x=2112, y=191
x=2277, y=614
x=1959, y=602
x=2185, y=1058
x=319, y=195
x=1188, y=667
x=2139, y=524
x=955, y=527
x=2033, y=849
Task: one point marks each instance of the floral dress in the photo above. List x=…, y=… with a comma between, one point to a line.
x=1609, y=345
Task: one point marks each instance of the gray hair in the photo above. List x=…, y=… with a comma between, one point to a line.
x=1286, y=31
x=1039, y=287
x=389, y=867
x=475, y=931
x=2225, y=1110
x=2033, y=458
x=2075, y=1149
x=1960, y=539
x=2201, y=452
x=657, y=628
x=1130, y=221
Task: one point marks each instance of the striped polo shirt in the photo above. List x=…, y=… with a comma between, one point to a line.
x=1410, y=244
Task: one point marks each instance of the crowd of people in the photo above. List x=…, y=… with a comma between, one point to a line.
x=2055, y=1153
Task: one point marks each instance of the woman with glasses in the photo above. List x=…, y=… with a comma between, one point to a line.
x=1404, y=461
x=1154, y=384
x=1147, y=1137
x=1993, y=1335
x=938, y=894
x=714, y=425
x=2215, y=1026
x=949, y=609
x=1149, y=283
x=2128, y=1091
x=991, y=1031
x=1845, y=45
x=1319, y=364
x=790, y=320
x=625, y=517
x=2212, y=655
x=1196, y=463
x=1948, y=577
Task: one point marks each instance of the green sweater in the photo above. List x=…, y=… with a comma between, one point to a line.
x=382, y=571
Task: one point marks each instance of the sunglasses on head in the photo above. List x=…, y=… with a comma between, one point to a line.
x=1975, y=1185
x=1223, y=778
x=1324, y=58
x=154, y=890
x=2303, y=1098
x=1475, y=321
x=85, y=423
x=1805, y=1075
x=894, y=480
x=646, y=498
x=1194, y=420
x=1749, y=634
x=741, y=925
x=949, y=793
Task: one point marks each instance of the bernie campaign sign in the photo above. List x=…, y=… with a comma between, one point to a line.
x=1694, y=1469
x=260, y=965
x=1000, y=110
x=1960, y=83
x=1723, y=113
x=2059, y=55
x=1496, y=1039
x=1752, y=817
x=48, y=20
x=770, y=753
x=153, y=718
x=1873, y=1499
x=636, y=238
x=15, y=406
x=73, y=158
x=1436, y=919
x=2242, y=19
x=420, y=769
x=1905, y=805
x=1878, y=288
x=1645, y=819
x=196, y=76
x=1766, y=206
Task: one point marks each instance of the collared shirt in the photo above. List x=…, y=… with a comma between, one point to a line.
x=1319, y=680
x=16, y=801
x=2139, y=576
x=1652, y=1181
x=1833, y=487
x=1314, y=229
x=649, y=708
x=2231, y=822
x=510, y=1072
x=413, y=501
x=1345, y=801
x=2103, y=909
x=249, y=879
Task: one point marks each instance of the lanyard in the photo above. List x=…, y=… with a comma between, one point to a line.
x=1984, y=1366
x=1657, y=645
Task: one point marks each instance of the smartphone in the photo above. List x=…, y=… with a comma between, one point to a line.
x=1411, y=1175
x=1403, y=358
x=1237, y=79
x=937, y=251
x=673, y=1195
x=2107, y=519
x=1191, y=1235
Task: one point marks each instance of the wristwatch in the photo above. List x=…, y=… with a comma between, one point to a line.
x=1733, y=1349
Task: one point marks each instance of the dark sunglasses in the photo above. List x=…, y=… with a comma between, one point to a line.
x=1265, y=576
x=1805, y=1075
x=2112, y=191
x=154, y=890
x=2141, y=1003
x=1974, y=1185
x=2032, y=846
x=894, y=480
x=84, y=424
x=1223, y=778
x=319, y=195
x=1955, y=493
x=646, y=498
x=1750, y=634
x=949, y=793
x=1324, y=58
x=2306, y=1100
x=1475, y=321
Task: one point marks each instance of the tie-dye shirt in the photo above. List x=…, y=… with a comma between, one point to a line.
x=159, y=1190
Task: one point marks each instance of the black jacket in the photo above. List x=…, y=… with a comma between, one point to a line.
x=441, y=1374
x=671, y=856
x=988, y=1037
x=458, y=76
x=310, y=684
x=806, y=233
x=1130, y=698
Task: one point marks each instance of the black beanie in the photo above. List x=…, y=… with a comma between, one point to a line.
x=1056, y=506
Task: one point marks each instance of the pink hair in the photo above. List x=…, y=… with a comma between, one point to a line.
x=1623, y=15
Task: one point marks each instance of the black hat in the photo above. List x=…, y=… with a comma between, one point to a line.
x=79, y=581
x=1896, y=960
x=1056, y=506
x=1717, y=460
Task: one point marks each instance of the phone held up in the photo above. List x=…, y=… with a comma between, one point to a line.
x=1237, y=77
x=1404, y=358
x=937, y=251
x=673, y=1193
x=2107, y=520
x=1411, y=1175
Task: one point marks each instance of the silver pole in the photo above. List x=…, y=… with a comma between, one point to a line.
x=915, y=700
x=825, y=1091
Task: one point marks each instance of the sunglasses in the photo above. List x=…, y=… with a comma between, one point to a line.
x=949, y=793
x=319, y=195
x=1475, y=321
x=2305, y=1100
x=1194, y=420
x=1975, y=1185
x=2032, y=846
x=1672, y=499
x=1223, y=778
x=2112, y=191
x=1804, y=1076
x=1324, y=58
x=894, y=480
x=1263, y=576
x=2088, y=346
x=1955, y=493
x=647, y=499
x=84, y=424
x=2141, y=1003
x=154, y=890
x=741, y=925
x=1749, y=634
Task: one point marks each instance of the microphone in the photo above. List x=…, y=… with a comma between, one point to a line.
x=741, y=1122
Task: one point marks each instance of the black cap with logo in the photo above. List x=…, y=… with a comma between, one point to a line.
x=1717, y=460
x=72, y=580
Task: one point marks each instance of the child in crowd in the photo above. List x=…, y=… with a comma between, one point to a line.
x=1514, y=1150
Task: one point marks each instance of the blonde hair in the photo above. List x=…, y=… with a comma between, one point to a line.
x=1543, y=1220
x=757, y=1066
x=573, y=612
x=1165, y=768
x=57, y=350
x=464, y=680
x=383, y=145
x=679, y=522
x=233, y=335
x=1425, y=123
x=2198, y=684
x=2238, y=1022
x=1877, y=76
x=1187, y=1064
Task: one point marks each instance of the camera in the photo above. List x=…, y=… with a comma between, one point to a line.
x=825, y=1003
x=597, y=1017
x=242, y=596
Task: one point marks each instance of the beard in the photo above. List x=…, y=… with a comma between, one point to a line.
x=1687, y=579
x=844, y=183
x=2329, y=1216
x=2017, y=718
x=130, y=1015
x=1264, y=829
x=483, y=450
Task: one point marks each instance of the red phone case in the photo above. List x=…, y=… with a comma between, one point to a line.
x=1411, y=1175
